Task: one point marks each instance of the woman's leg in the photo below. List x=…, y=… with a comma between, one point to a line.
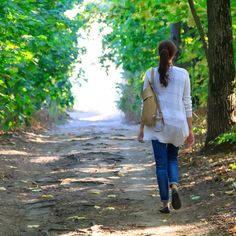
x=160, y=154
x=173, y=172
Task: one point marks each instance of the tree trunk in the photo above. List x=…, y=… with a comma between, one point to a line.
x=221, y=69
x=199, y=26
x=175, y=36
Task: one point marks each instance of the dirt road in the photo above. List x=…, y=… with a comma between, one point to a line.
x=92, y=178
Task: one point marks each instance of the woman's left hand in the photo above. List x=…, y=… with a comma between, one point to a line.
x=140, y=136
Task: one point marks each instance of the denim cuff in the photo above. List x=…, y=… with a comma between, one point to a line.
x=177, y=184
x=165, y=201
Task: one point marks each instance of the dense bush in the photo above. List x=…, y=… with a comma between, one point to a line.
x=38, y=48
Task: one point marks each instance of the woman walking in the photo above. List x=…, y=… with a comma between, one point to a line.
x=172, y=86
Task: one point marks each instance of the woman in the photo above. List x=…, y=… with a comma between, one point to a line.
x=172, y=85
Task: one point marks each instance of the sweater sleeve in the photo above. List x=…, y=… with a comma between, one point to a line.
x=187, y=97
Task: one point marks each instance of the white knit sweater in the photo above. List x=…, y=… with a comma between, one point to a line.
x=176, y=106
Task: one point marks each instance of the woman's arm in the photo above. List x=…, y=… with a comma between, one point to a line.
x=190, y=125
x=188, y=109
x=141, y=128
x=187, y=97
x=141, y=132
x=190, y=139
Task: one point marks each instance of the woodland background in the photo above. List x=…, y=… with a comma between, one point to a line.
x=93, y=177
x=39, y=48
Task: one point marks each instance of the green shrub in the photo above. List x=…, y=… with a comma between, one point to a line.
x=227, y=137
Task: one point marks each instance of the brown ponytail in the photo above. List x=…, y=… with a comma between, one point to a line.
x=167, y=51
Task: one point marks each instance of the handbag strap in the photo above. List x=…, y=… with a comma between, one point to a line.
x=152, y=76
x=152, y=84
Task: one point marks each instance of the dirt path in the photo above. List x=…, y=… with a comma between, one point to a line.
x=86, y=179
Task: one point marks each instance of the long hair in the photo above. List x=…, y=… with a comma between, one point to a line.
x=167, y=51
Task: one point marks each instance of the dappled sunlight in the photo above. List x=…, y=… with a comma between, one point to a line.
x=14, y=152
x=161, y=230
x=44, y=159
x=105, y=180
x=87, y=180
x=11, y=167
x=167, y=230
x=99, y=170
x=35, y=135
x=123, y=148
x=128, y=168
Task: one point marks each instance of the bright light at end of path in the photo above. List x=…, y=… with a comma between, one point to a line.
x=98, y=93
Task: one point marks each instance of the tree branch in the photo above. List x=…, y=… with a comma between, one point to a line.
x=199, y=27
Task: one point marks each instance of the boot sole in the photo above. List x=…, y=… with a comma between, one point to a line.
x=176, y=202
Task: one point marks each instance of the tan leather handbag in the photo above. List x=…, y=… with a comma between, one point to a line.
x=151, y=112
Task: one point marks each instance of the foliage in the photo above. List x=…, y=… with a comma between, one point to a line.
x=130, y=97
x=137, y=27
x=38, y=47
x=227, y=137
x=232, y=166
x=132, y=45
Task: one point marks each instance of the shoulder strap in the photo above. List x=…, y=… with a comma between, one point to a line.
x=152, y=76
x=157, y=98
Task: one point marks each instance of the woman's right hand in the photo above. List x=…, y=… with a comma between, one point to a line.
x=140, y=136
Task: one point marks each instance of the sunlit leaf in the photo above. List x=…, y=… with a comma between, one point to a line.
x=233, y=230
x=76, y=218
x=195, y=197
x=231, y=192
x=47, y=196
x=95, y=192
x=33, y=226
x=36, y=190
x=232, y=166
x=110, y=208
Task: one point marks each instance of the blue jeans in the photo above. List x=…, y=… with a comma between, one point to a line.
x=166, y=167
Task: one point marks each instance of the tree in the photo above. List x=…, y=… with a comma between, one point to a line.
x=221, y=69
x=38, y=45
x=199, y=27
x=137, y=27
x=175, y=36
